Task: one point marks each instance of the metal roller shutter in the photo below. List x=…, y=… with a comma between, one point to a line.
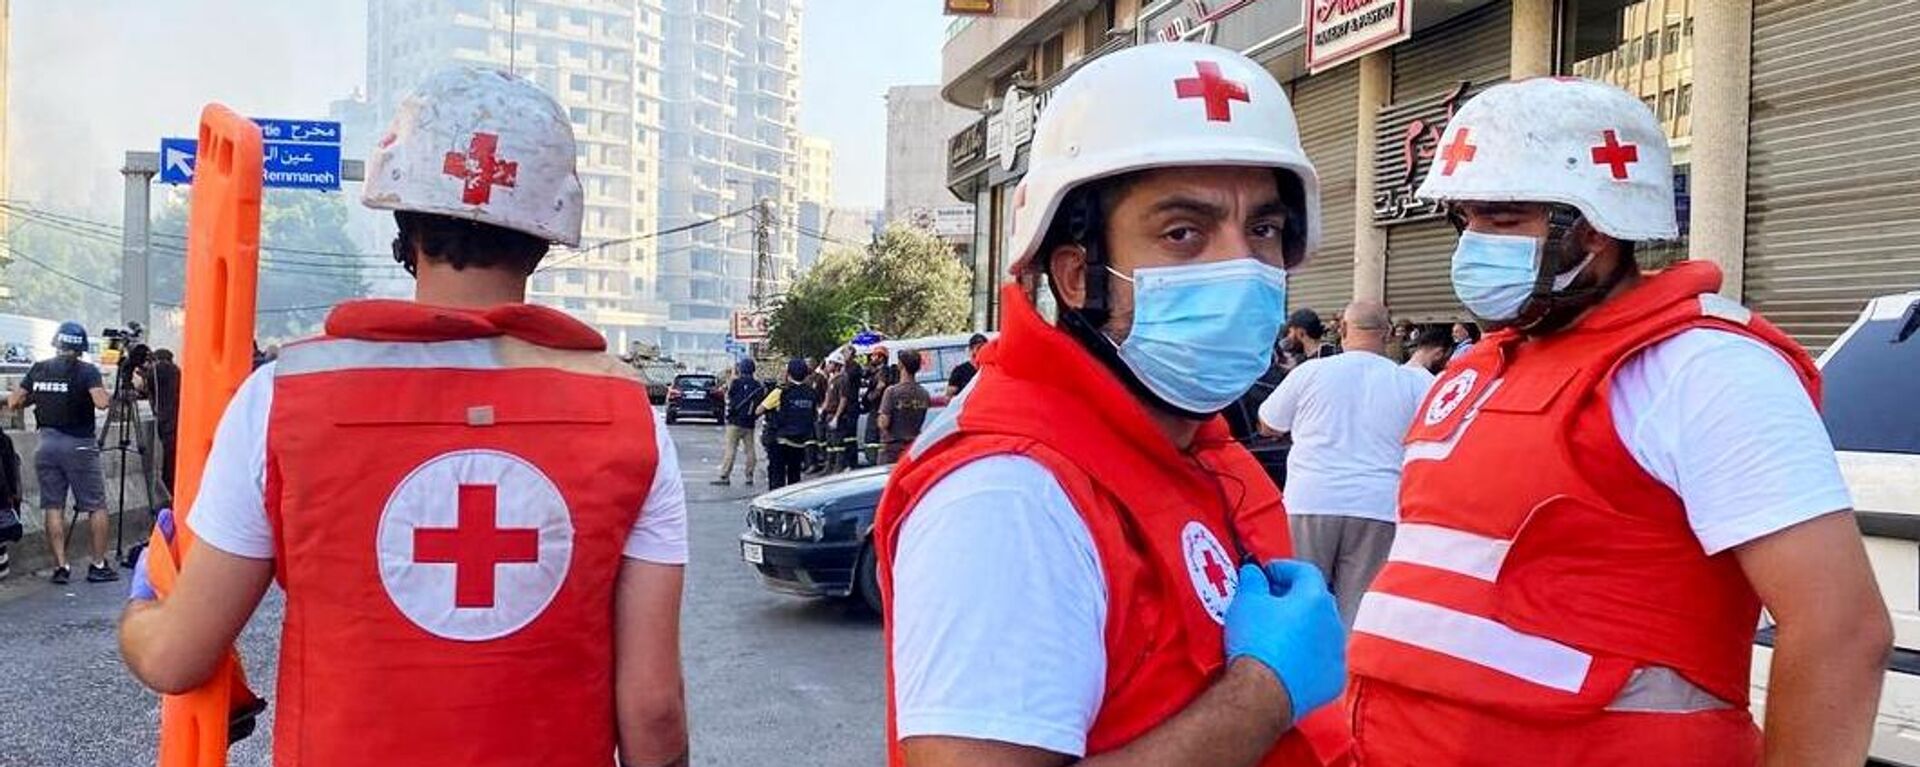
x=1833, y=185
x=1328, y=107
x=1475, y=48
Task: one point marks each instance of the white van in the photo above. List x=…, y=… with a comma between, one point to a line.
x=1870, y=375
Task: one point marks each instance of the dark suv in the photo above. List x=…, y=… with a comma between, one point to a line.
x=815, y=538
x=696, y=395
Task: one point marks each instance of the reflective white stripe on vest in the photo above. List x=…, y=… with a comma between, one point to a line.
x=1445, y=548
x=334, y=355
x=1473, y=639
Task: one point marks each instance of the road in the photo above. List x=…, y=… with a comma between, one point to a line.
x=771, y=680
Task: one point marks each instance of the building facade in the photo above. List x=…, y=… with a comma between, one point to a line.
x=6, y=188
x=601, y=60
x=730, y=155
x=918, y=125
x=813, y=181
x=1795, y=125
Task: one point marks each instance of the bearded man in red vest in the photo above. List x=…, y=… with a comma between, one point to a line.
x=477, y=518
x=1601, y=496
x=1079, y=563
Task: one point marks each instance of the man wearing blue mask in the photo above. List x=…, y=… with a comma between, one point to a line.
x=1079, y=563
x=1599, y=498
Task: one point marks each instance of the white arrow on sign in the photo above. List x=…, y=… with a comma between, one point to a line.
x=179, y=161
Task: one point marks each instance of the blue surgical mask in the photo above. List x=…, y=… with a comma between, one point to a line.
x=1494, y=274
x=1203, y=333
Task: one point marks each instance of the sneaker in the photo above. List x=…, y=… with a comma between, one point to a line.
x=6, y=563
x=721, y=482
x=102, y=573
x=61, y=575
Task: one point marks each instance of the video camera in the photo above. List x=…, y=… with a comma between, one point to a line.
x=119, y=339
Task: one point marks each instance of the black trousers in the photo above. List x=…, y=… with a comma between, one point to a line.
x=784, y=464
x=169, y=446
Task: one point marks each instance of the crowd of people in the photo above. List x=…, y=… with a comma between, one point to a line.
x=861, y=405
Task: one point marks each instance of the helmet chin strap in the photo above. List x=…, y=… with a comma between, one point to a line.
x=1554, y=304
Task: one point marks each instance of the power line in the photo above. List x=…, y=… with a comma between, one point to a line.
x=56, y=271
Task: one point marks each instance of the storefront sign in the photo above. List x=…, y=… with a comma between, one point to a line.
x=997, y=138
x=1243, y=25
x=1405, y=142
x=968, y=146
x=1339, y=31
x=969, y=7
x=1019, y=109
x=953, y=220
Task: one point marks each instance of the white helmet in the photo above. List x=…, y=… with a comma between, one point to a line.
x=481, y=145
x=1159, y=105
x=1561, y=140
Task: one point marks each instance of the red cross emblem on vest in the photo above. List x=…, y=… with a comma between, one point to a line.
x=1457, y=152
x=474, y=544
x=1216, y=90
x=1210, y=568
x=481, y=169
x=1615, y=155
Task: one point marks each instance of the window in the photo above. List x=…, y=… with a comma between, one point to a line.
x=578, y=83
x=1611, y=40
x=1683, y=103
x=1666, y=106
x=1673, y=38
x=1052, y=55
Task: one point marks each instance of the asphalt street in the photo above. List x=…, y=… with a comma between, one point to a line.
x=771, y=679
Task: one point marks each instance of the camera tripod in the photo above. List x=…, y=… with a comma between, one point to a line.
x=123, y=418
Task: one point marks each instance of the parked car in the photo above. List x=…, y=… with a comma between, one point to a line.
x=1870, y=375
x=939, y=355
x=696, y=395
x=815, y=538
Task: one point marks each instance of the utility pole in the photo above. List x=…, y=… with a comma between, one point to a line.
x=762, y=250
x=135, y=282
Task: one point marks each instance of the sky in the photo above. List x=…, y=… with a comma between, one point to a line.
x=91, y=79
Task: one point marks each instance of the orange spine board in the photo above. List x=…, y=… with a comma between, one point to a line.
x=223, y=258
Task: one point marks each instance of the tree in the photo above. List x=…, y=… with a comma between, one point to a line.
x=907, y=284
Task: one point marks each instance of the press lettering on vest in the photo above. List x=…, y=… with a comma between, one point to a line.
x=50, y=387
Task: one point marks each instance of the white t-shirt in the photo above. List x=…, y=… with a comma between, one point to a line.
x=1348, y=415
x=1000, y=602
x=231, y=512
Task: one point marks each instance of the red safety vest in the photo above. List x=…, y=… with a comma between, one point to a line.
x=450, y=493
x=1170, y=527
x=1537, y=566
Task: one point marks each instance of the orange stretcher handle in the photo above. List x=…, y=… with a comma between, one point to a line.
x=223, y=258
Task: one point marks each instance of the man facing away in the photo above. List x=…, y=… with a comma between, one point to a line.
x=1347, y=414
x=476, y=516
x=903, y=409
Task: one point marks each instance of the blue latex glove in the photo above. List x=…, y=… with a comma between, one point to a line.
x=142, y=588
x=1285, y=618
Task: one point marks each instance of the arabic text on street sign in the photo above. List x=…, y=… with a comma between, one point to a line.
x=288, y=165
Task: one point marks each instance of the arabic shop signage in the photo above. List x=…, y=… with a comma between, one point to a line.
x=1405, y=142
x=1243, y=25
x=1339, y=31
x=968, y=146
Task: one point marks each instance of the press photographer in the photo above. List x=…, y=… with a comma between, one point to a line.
x=159, y=382
x=65, y=392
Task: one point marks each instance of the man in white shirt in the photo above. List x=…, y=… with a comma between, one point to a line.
x=1601, y=495
x=1347, y=414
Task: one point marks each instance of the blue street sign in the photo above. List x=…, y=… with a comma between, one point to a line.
x=176, y=160
x=303, y=166
x=299, y=131
x=288, y=165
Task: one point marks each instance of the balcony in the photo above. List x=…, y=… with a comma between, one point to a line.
x=989, y=45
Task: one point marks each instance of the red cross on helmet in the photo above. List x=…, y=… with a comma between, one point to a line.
x=1160, y=105
x=1561, y=140
x=480, y=145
